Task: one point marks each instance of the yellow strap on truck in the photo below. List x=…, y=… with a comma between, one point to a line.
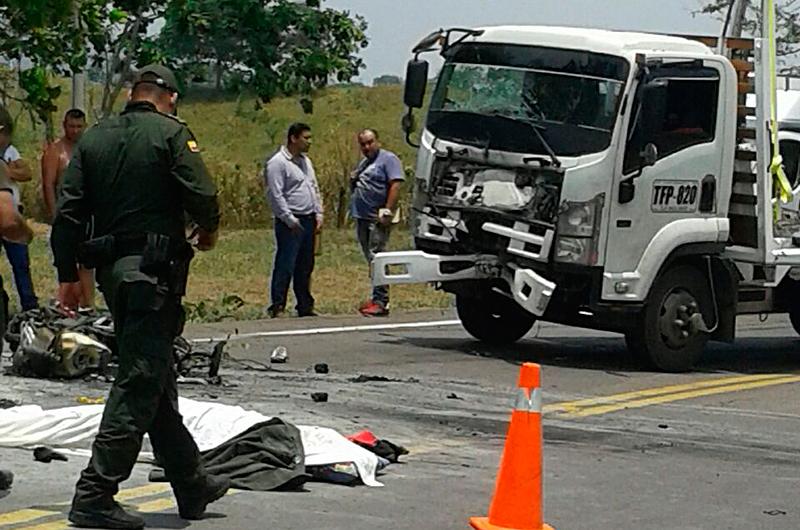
x=780, y=182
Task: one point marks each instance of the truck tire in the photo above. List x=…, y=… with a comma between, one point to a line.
x=663, y=334
x=494, y=318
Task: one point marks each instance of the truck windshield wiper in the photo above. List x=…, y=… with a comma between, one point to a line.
x=537, y=127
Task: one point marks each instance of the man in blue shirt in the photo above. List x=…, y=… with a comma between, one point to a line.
x=293, y=194
x=375, y=184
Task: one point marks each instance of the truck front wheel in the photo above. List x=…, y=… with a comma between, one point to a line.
x=667, y=333
x=493, y=318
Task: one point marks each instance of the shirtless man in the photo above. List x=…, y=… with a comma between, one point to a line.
x=55, y=160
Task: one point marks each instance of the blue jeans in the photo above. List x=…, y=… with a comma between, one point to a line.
x=17, y=255
x=294, y=263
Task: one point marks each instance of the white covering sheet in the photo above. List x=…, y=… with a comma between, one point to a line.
x=73, y=428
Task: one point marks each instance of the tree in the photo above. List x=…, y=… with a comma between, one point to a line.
x=123, y=43
x=46, y=39
x=748, y=21
x=39, y=39
x=272, y=46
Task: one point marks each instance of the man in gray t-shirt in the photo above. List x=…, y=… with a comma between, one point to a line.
x=375, y=184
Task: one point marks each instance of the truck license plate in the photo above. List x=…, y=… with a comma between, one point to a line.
x=674, y=196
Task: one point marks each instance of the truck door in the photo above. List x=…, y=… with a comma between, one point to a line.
x=670, y=164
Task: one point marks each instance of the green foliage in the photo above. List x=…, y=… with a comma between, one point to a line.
x=232, y=281
x=273, y=46
x=224, y=308
x=787, y=21
x=125, y=40
x=50, y=34
x=40, y=96
x=236, y=135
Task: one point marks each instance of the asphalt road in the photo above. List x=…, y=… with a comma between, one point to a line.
x=625, y=448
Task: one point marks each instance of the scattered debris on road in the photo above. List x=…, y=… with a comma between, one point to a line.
x=193, y=361
x=381, y=379
x=321, y=368
x=47, y=344
x=6, y=479
x=47, y=455
x=279, y=355
x=383, y=448
x=8, y=403
x=320, y=397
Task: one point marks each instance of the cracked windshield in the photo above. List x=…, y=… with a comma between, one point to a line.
x=560, y=106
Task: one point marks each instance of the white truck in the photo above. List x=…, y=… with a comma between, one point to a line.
x=608, y=180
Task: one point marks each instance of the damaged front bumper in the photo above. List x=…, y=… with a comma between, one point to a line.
x=529, y=289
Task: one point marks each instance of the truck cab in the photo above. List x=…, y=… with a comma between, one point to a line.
x=594, y=178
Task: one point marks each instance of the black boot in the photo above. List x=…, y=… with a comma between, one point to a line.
x=113, y=517
x=192, y=502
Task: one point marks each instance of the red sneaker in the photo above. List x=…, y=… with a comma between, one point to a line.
x=365, y=305
x=375, y=310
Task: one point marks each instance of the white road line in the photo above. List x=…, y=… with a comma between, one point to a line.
x=326, y=331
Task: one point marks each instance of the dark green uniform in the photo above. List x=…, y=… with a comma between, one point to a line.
x=138, y=173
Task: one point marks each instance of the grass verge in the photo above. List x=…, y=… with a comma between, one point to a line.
x=232, y=281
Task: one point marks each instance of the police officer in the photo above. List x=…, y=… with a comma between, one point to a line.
x=138, y=175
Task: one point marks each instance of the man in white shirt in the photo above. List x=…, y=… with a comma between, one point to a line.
x=293, y=194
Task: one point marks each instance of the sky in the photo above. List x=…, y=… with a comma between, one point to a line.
x=396, y=25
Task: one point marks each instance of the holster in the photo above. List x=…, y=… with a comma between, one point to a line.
x=168, y=260
x=179, y=273
x=163, y=257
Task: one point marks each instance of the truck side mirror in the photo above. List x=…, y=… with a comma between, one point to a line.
x=416, y=83
x=627, y=188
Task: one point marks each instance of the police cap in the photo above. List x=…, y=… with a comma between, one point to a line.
x=159, y=75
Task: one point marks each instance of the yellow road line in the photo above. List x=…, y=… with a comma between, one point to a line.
x=157, y=505
x=30, y=514
x=142, y=491
x=153, y=506
x=578, y=405
x=677, y=396
x=163, y=504
x=54, y=525
x=24, y=516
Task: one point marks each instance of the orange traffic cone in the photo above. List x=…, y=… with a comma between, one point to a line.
x=517, y=501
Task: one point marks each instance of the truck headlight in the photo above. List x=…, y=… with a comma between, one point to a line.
x=577, y=219
x=577, y=231
x=579, y=250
